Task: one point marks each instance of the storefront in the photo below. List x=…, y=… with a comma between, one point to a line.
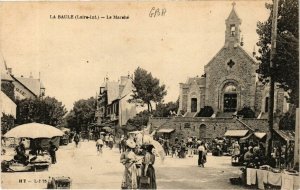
x=166, y=133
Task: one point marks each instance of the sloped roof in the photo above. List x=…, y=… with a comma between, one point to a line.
x=112, y=91
x=34, y=85
x=287, y=135
x=199, y=80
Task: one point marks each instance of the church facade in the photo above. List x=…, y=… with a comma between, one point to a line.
x=230, y=81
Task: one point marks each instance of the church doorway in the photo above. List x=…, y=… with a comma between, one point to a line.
x=230, y=98
x=230, y=102
x=202, y=131
x=194, y=105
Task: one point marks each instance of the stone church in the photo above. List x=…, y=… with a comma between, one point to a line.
x=230, y=81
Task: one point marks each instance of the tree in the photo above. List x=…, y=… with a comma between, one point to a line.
x=165, y=110
x=48, y=111
x=288, y=121
x=141, y=119
x=147, y=89
x=206, y=111
x=286, y=62
x=82, y=114
x=7, y=122
x=9, y=89
x=246, y=112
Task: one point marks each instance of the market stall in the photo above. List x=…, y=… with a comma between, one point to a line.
x=283, y=146
x=38, y=158
x=270, y=178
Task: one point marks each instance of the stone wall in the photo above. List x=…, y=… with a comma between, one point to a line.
x=258, y=99
x=218, y=72
x=211, y=127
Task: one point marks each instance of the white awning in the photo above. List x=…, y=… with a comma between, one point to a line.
x=165, y=130
x=7, y=105
x=236, y=133
x=260, y=135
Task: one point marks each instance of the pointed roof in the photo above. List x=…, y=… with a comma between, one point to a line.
x=233, y=15
x=5, y=76
x=199, y=81
x=112, y=91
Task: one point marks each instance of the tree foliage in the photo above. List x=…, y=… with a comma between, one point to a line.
x=166, y=110
x=9, y=89
x=246, y=112
x=48, y=111
x=82, y=114
x=147, y=89
x=141, y=119
x=206, y=111
x=286, y=62
x=7, y=122
x=288, y=121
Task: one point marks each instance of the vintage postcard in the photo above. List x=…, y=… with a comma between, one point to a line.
x=149, y=94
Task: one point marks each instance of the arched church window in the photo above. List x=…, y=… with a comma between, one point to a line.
x=230, y=98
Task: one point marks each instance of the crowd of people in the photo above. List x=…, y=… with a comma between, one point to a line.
x=188, y=147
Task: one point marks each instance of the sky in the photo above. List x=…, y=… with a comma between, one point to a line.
x=73, y=56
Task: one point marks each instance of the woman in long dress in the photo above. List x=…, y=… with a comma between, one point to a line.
x=129, y=159
x=148, y=169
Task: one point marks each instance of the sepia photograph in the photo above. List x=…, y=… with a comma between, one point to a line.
x=150, y=94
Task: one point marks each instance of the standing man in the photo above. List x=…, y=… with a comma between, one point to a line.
x=76, y=139
x=52, y=150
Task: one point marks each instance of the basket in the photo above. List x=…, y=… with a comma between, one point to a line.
x=236, y=181
x=60, y=183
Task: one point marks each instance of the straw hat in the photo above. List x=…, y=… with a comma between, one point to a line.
x=130, y=143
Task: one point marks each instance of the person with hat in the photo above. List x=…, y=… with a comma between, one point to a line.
x=129, y=159
x=148, y=172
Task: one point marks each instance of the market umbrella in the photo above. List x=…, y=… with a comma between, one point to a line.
x=148, y=139
x=34, y=130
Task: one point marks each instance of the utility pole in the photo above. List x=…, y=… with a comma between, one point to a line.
x=272, y=83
